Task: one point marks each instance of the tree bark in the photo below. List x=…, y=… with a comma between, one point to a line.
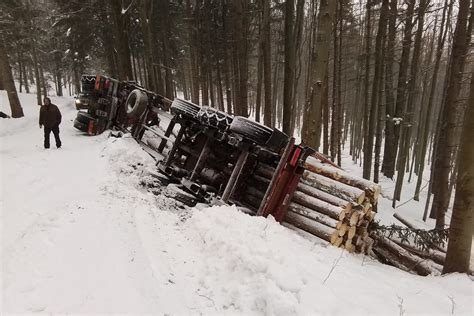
x=267, y=65
x=447, y=135
x=434, y=85
x=145, y=7
x=312, y=123
x=408, y=120
x=166, y=47
x=376, y=84
x=6, y=78
x=401, y=91
x=290, y=63
x=365, y=124
x=123, y=50
x=462, y=219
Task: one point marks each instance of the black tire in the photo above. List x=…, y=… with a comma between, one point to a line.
x=212, y=117
x=84, y=117
x=81, y=126
x=277, y=141
x=136, y=103
x=251, y=130
x=185, y=108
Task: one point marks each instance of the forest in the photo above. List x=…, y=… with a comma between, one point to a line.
x=388, y=81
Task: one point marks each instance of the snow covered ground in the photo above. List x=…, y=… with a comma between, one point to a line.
x=80, y=235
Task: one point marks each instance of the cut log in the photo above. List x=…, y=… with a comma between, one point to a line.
x=344, y=214
x=255, y=192
x=313, y=215
x=265, y=171
x=317, y=205
x=404, y=221
x=320, y=230
x=343, y=230
x=260, y=183
x=386, y=256
x=352, y=232
x=406, y=258
x=371, y=189
x=305, y=234
x=316, y=193
x=363, y=223
x=334, y=237
x=349, y=246
x=367, y=206
x=338, y=241
x=362, y=231
x=252, y=201
x=436, y=256
x=334, y=187
x=369, y=216
x=355, y=217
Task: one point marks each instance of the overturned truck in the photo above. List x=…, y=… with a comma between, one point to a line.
x=218, y=158
x=212, y=157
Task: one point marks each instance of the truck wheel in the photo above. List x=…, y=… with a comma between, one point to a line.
x=84, y=117
x=251, y=130
x=185, y=108
x=212, y=117
x=277, y=141
x=82, y=121
x=136, y=103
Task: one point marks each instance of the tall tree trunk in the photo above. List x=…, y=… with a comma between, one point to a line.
x=241, y=33
x=312, y=123
x=434, y=84
x=297, y=101
x=43, y=81
x=462, y=220
x=145, y=7
x=220, y=93
x=166, y=48
x=6, y=78
x=228, y=84
x=340, y=110
x=368, y=137
x=123, y=50
x=37, y=73
x=58, y=74
x=335, y=100
x=25, y=76
x=447, y=135
x=408, y=120
x=258, y=101
x=325, y=112
x=20, y=79
x=389, y=163
x=290, y=63
x=267, y=65
x=379, y=67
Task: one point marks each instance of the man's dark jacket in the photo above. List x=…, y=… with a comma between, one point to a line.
x=50, y=116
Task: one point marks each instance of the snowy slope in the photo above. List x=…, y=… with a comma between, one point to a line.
x=80, y=235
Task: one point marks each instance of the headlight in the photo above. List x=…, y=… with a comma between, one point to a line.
x=78, y=101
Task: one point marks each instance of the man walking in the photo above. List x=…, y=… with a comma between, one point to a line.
x=50, y=117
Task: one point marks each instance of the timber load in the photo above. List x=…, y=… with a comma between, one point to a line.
x=329, y=203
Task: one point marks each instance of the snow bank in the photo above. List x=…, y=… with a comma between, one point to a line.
x=254, y=265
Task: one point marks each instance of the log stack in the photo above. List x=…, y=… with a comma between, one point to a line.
x=329, y=203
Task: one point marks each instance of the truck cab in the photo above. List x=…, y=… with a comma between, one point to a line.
x=112, y=103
